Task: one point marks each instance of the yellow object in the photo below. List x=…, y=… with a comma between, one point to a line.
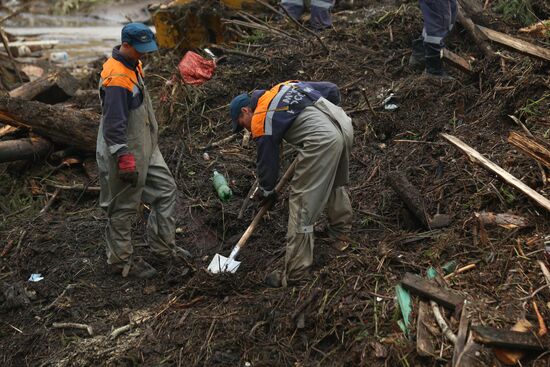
x=187, y=24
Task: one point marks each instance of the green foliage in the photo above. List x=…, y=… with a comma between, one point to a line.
x=532, y=107
x=516, y=10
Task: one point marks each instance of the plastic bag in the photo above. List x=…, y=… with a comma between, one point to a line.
x=195, y=69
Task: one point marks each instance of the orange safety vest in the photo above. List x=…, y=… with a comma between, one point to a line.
x=263, y=107
x=116, y=74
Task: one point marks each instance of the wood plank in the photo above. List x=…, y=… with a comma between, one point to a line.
x=430, y=290
x=476, y=157
x=509, y=339
x=533, y=148
x=425, y=341
x=515, y=43
x=457, y=61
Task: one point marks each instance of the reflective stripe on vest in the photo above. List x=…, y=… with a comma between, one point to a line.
x=262, y=120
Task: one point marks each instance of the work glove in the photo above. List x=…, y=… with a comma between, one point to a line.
x=127, y=168
x=269, y=199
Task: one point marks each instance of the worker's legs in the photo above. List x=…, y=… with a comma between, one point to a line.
x=294, y=7
x=320, y=145
x=320, y=13
x=439, y=17
x=121, y=202
x=339, y=212
x=160, y=192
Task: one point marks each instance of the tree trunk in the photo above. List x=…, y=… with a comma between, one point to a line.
x=23, y=149
x=54, y=88
x=61, y=125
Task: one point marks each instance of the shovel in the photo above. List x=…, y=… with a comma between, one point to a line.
x=219, y=263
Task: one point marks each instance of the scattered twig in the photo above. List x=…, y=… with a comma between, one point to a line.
x=461, y=270
x=73, y=325
x=50, y=202
x=442, y=323
x=219, y=142
x=68, y=288
x=543, y=330
x=10, y=55
x=241, y=53
x=364, y=92
x=246, y=200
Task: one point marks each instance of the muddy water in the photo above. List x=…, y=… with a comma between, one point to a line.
x=84, y=38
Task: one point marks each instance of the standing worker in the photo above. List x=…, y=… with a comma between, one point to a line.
x=320, y=11
x=131, y=167
x=305, y=115
x=427, y=51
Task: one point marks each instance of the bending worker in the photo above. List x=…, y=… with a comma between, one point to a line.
x=427, y=52
x=305, y=115
x=320, y=12
x=131, y=167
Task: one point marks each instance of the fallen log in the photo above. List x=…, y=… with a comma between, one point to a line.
x=509, y=339
x=24, y=149
x=61, y=125
x=476, y=157
x=515, y=43
x=431, y=291
x=533, y=148
x=54, y=88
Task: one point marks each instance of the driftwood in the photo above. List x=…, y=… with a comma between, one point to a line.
x=23, y=149
x=533, y=148
x=430, y=290
x=475, y=156
x=61, y=125
x=51, y=89
x=462, y=335
x=515, y=43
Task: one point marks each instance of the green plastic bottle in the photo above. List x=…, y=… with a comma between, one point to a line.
x=220, y=184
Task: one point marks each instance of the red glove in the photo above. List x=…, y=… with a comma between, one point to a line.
x=127, y=168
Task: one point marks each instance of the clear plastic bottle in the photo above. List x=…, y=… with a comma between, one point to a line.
x=220, y=184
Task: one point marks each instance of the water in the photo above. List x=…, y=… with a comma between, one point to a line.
x=84, y=38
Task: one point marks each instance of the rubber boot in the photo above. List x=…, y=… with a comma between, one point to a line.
x=136, y=268
x=417, y=60
x=434, y=63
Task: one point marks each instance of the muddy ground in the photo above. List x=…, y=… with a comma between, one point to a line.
x=196, y=319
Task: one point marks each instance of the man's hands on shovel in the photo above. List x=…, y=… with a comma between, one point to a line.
x=263, y=199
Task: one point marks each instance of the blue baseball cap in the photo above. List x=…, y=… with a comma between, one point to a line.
x=242, y=100
x=140, y=37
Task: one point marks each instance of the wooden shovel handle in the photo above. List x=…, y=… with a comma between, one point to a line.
x=282, y=182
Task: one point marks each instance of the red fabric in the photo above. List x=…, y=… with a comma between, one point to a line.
x=195, y=69
x=126, y=162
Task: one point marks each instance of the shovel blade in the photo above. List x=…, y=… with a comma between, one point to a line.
x=221, y=264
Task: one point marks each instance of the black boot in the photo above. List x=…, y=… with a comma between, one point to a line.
x=434, y=62
x=418, y=58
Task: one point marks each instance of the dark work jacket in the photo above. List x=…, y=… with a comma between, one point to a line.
x=274, y=112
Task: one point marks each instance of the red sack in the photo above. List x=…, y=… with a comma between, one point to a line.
x=195, y=69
